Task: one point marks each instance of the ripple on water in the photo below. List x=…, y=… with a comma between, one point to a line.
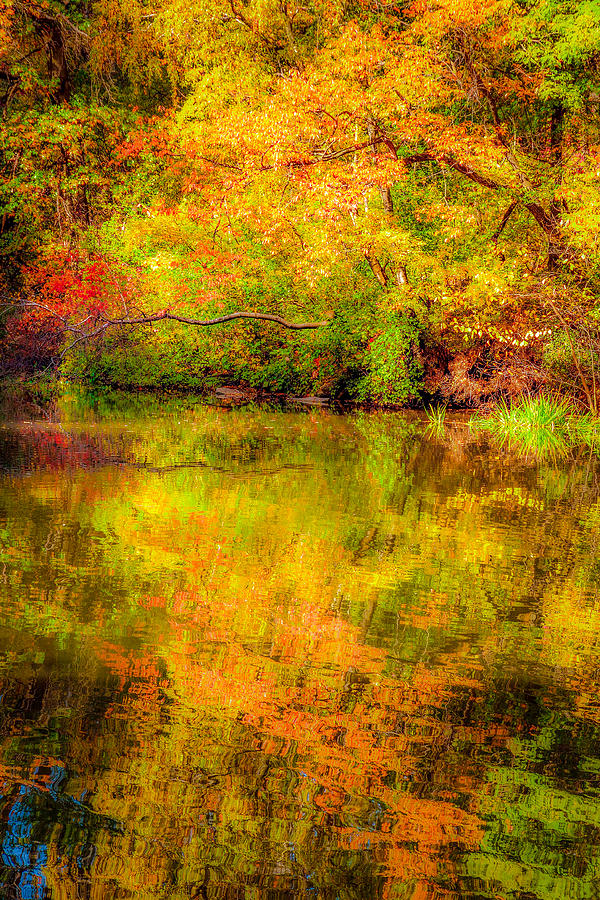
x=256, y=654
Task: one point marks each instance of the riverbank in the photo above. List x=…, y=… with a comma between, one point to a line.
x=397, y=368
x=545, y=426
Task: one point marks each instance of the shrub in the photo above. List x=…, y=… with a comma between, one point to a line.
x=394, y=370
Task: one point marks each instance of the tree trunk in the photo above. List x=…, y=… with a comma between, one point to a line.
x=401, y=277
x=377, y=269
x=58, y=70
x=386, y=197
x=557, y=121
x=549, y=223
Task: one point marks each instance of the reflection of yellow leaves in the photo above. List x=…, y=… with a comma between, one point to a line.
x=510, y=495
x=571, y=630
x=307, y=633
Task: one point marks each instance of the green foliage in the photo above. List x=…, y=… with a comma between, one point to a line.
x=394, y=369
x=328, y=361
x=562, y=39
x=149, y=361
x=59, y=174
x=323, y=161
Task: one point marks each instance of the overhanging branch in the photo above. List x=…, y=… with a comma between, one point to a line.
x=228, y=317
x=94, y=325
x=103, y=323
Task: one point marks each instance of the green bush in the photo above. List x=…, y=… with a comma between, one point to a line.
x=394, y=370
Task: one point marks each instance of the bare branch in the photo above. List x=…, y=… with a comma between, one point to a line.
x=95, y=325
x=164, y=315
x=228, y=317
x=508, y=213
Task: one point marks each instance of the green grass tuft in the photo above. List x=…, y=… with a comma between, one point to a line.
x=436, y=416
x=545, y=426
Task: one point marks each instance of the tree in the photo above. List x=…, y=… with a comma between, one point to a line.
x=444, y=155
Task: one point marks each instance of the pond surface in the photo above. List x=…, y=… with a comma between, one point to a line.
x=256, y=654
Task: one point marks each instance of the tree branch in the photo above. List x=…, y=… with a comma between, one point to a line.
x=95, y=325
x=165, y=315
x=377, y=269
x=228, y=317
x=442, y=159
x=508, y=213
x=482, y=89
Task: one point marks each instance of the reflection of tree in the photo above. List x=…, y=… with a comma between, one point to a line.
x=540, y=798
x=46, y=447
x=297, y=667
x=23, y=856
x=38, y=812
x=47, y=821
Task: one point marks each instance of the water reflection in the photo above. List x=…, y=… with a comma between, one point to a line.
x=265, y=655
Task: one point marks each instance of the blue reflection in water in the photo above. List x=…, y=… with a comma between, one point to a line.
x=21, y=852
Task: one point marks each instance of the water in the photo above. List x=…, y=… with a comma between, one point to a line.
x=256, y=654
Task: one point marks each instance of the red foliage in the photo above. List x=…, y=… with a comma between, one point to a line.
x=62, y=289
x=152, y=138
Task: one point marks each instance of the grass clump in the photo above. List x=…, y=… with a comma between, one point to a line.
x=436, y=421
x=546, y=426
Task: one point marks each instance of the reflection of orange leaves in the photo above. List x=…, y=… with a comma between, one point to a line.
x=329, y=800
x=346, y=752
x=152, y=602
x=128, y=666
x=39, y=774
x=418, y=829
x=349, y=730
x=394, y=856
x=139, y=680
